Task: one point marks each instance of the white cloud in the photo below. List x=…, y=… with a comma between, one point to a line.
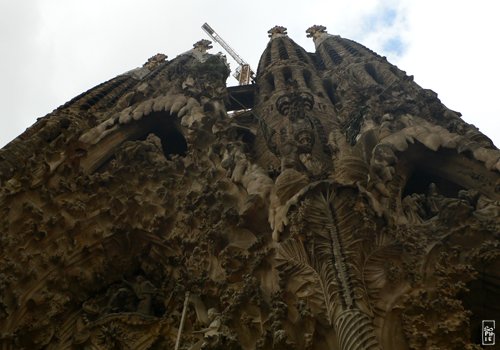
x=451, y=49
x=54, y=50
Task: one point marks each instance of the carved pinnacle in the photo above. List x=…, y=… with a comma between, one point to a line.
x=155, y=60
x=277, y=31
x=315, y=31
x=203, y=45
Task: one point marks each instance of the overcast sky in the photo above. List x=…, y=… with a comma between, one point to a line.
x=52, y=50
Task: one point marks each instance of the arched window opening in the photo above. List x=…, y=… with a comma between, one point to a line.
x=282, y=50
x=330, y=91
x=172, y=140
x=287, y=75
x=335, y=57
x=160, y=124
x=353, y=51
x=317, y=61
x=372, y=72
x=300, y=55
x=270, y=82
x=308, y=79
x=267, y=60
x=421, y=180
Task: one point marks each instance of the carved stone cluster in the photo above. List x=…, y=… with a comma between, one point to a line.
x=315, y=30
x=347, y=209
x=203, y=45
x=155, y=60
x=277, y=31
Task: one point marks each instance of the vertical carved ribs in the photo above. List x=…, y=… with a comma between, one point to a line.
x=355, y=331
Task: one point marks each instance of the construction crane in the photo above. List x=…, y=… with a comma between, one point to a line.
x=243, y=73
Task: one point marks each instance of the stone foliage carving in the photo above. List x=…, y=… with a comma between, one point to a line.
x=348, y=209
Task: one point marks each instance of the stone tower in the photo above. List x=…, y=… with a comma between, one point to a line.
x=332, y=204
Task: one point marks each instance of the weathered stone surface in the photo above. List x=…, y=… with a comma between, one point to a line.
x=348, y=209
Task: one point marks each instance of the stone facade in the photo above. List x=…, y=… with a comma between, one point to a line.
x=341, y=206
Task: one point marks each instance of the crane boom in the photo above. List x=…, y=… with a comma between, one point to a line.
x=243, y=72
x=222, y=43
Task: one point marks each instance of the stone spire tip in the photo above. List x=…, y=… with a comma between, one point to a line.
x=203, y=45
x=316, y=31
x=277, y=31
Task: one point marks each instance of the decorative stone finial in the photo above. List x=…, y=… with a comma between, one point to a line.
x=318, y=33
x=155, y=61
x=199, y=50
x=203, y=45
x=315, y=31
x=277, y=31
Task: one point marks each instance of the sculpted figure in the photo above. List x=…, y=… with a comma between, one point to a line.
x=144, y=291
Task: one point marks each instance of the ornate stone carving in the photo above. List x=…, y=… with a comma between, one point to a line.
x=324, y=266
x=314, y=30
x=347, y=209
x=277, y=31
x=155, y=60
x=203, y=45
x=299, y=133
